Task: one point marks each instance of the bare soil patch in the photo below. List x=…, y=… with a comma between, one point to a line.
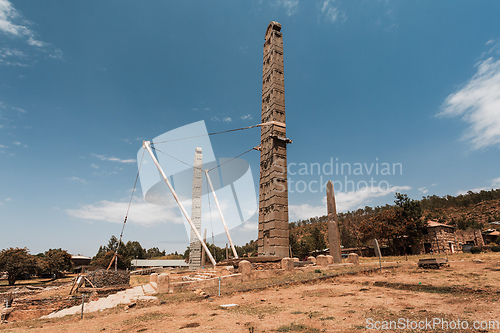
x=467, y=290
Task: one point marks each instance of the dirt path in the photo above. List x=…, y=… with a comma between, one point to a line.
x=466, y=291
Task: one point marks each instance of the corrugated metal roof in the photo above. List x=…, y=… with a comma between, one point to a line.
x=159, y=263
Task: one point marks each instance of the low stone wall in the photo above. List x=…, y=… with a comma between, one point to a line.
x=233, y=278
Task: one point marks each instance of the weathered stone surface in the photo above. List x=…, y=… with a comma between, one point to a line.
x=295, y=259
x=321, y=260
x=245, y=267
x=353, y=258
x=163, y=283
x=102, y=278
x=287, y=264
x=153, y=277
x=194, y=242
x=333, y=227
x=312, y=259
x=329, y=259
x=273, y=193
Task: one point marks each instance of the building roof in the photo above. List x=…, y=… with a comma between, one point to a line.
x=494, y=233
x=159, y=263
x=433, y=224
x=80, y=257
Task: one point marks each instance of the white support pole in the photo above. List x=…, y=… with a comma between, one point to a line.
x=221, y=216
x=146, y=145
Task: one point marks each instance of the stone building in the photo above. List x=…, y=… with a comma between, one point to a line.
x=442, y=238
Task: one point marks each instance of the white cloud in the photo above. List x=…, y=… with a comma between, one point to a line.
x=423, y=190
x=227, y=119
x=114, y=159
x=13, y=57
x=5, y=200
x=20, y=110
x=495, y=182
x=305, y=211
x=250, y=226
x=331, y=12
x=140, y=213
x=77, y=180
x=94, y=166
x=353, y=200
x=478, y=103
x=13, y=24
x=289, y=5
x=17, y=143
x=345, y=201
x=8, y=15
x=4, y=146
x=245, y=117
x=475, y=190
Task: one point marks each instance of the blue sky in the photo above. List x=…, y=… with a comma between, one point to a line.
x=414, y=85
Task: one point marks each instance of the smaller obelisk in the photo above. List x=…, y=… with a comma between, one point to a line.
x=333, y=226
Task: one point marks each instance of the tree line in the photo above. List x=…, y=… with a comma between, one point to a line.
x=126, y=252
x=18, y=263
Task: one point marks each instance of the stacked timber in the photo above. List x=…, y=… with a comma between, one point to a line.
x=102, y=278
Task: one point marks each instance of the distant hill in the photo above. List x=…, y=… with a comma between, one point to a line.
x=470, y=210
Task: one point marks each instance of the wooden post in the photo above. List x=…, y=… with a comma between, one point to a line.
x=378, y=253
x=83, y=304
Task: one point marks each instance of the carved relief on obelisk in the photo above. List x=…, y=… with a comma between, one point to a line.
x=273, y=193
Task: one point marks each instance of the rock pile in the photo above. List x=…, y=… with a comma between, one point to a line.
x=102, y=278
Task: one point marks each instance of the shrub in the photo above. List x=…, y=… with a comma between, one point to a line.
x=475, y=250
x=495, y=248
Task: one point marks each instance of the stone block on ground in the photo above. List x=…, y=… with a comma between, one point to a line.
x=245, y=267
x=353, y=258
x=163, y=283
x=153, y=277
x=287, y=264
x=321, y=260
x=312, y=259
x=329, y=259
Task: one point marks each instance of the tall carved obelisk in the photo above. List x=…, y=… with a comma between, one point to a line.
x=194, y=243
x=273, y=193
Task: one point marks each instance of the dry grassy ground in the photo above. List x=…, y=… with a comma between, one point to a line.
x=466, y=291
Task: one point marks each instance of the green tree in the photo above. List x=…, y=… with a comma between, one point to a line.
x=17, y=263
x=102, y=260
x=134, y=250
x=53, y=261
x=154, y=252
x=317, y=239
